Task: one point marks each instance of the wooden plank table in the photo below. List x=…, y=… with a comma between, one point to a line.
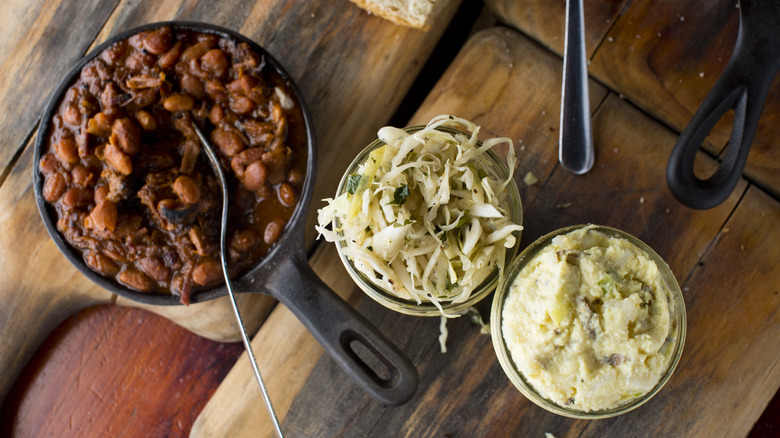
x=119, y=371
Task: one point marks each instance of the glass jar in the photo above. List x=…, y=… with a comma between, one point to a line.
x=677, y=322
x=496, y=168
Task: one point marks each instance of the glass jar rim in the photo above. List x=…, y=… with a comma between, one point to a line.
x=428, y=308
x=516, y=375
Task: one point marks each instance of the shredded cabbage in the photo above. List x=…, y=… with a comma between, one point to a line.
x=423, y=217
x=443, y=334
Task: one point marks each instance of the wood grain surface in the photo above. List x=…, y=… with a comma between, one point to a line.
x=545, y=21
x=37, y=48
x=116, y=380
x=122, y=372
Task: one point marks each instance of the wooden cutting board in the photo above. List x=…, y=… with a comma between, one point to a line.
x=332, y=51
x=510, y=86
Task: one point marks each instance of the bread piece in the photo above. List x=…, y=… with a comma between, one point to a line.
x=418, y=14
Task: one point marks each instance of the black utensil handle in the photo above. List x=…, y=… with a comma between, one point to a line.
x=340, y=329
x=708, y=193
x=743, y=86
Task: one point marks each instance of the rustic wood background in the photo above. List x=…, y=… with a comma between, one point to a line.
x=119, y=371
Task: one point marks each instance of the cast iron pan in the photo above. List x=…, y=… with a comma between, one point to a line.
x=743, y=86
x=283, y=273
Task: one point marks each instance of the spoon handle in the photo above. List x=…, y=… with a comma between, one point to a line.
x=215, y=166
x=575, y=146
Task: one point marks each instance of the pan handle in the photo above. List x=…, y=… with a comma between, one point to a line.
x=743, y=86
x=708, y=193
x=339, y=328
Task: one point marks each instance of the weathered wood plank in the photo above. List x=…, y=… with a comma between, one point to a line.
x=37, y=47
x=545, y=21
x=670, y=65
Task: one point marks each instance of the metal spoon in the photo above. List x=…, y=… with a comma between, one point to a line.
x=575, y=144
x=214, y=163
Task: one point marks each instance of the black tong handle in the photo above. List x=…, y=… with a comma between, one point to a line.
x=743, y=86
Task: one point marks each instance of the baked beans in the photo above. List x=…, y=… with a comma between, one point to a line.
x=123, y=167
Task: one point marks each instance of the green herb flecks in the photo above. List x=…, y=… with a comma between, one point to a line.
x=402, y=224
x=463, y=220
x=400, y=195
x=607, y=286
x=353, y=183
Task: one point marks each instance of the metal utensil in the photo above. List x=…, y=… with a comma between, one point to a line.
x=743, y=87
x=214, y=163
x=575, y=144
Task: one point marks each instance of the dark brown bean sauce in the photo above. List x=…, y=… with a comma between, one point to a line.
x=125, y=172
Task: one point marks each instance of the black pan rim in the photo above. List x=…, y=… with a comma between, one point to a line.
x=291, y=228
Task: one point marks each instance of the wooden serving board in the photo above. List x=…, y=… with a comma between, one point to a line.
x=349, y=93
x=510, y=86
